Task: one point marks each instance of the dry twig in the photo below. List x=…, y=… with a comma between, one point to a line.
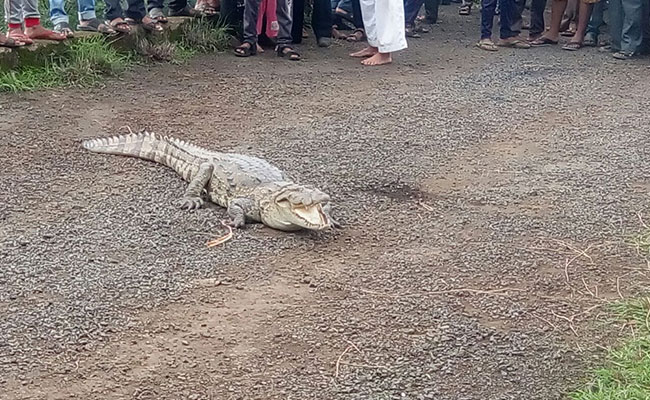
x=222, y=239
x=338, y=361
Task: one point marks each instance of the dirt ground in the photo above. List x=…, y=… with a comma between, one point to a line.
x=486, y=200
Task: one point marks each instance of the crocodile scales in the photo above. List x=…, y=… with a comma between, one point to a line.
x=250, y=188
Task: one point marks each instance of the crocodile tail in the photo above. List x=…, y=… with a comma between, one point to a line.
x=147, y=146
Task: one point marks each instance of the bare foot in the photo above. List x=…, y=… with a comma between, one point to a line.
x=260, y=49
x=378, y=59
x=367, y=52
x=18, y=34
x=38, y=32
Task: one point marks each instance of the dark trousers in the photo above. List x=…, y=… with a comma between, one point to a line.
x=321, y=19
x=251, y=11
x=174, y=5
x=488, y=8
x=357, y=19
x=411, y=9
x=431, y=10
x=136, y=10
x=537, y=8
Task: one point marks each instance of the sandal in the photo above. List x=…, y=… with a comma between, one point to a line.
x=157, y=15
x=20, y=37
x=64, y=28
x=410, y=32
x=465, y=9
x=205, y=8
x=343, y=14
x=572, y=46
x=47, y=34
x=245, y=50
x=286, y=50
x=487, y=44
x=543, y=41
x=623, y=55
x=513, y=43
x=151, y=26
x=10, y=42
x=119, y=25
x=357, y=36
x=590, y=40
x=95, y=25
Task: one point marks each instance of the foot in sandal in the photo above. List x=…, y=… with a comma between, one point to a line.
x=487, y=45
x=37, y=31
x=10, y=42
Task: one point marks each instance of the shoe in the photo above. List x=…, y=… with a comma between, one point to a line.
x=324, y=42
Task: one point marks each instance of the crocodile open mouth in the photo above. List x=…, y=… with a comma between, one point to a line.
x=312, y=215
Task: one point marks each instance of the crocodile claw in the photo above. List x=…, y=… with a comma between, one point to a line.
x=191, y=203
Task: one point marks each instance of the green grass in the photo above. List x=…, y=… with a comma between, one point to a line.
x=626, y=373
x=641, y=242
x=85, y=62
x=203, y=35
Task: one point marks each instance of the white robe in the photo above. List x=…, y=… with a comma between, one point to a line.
x=384, y=24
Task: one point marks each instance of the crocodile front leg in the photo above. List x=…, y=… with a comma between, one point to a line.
x=238, y=209
x=192, y=198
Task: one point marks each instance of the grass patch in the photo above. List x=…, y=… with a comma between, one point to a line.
x=626, y=374
x=84, y=62
x=641, y=241
x=203, y=35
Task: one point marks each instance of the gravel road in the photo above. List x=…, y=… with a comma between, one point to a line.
x=486, y=197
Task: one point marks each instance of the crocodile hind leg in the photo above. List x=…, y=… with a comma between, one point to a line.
x=192, y=198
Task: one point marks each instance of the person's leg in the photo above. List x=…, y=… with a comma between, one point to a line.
x=321, y=20
x=584, y=14
x=553, y=33
x=632, y=32
x=431, y=8
x=251, y=11
x=595, y=22
x=517, y=17
x=298, y=19
x=285, y=37
x=57, y=12
x=389, y=28
x=488, y=8
x=155, y=4
x=537, y=9
x=615, y=24
x=370, y=25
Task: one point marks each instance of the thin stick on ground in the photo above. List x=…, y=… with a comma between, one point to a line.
x=618, y=287
x=575, y=249
x=338, y=361
x=589, y=290
x=569, y=320
x=222, y=239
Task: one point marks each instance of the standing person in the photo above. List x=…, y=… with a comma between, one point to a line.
x=24, y=13
x=87, y=18
x=508, y=36
x=537, y=8
x=283, y=46
x=384, y=23
x=626, y=27
x=321, y=21
x=359, y=32
x=551, y=37
x=595, y=22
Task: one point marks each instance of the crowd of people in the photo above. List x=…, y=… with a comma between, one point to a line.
x=383, y=24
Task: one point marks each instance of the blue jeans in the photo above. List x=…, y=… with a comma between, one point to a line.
x=58, y=14
x=596, y=20
x=411, y=9
x=507, y=16
x=626, y=24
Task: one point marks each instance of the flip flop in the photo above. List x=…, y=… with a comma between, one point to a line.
x=95, y=25
x=284, y=51
x=10, y=42
x=64, y=28
x=158, y=15
x=486, y=44
x=543, y=41
x=572, y=46
x=515, y=44
x=49, y=35
x=119, y=26
x=21, y=37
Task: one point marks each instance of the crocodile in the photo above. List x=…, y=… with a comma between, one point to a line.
x=251, y=189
